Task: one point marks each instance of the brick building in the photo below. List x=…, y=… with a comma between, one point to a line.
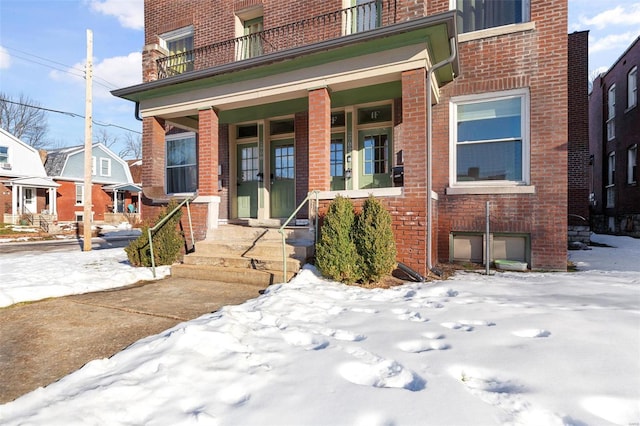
x=433, y=110
x=578, y=143
x=614, y=136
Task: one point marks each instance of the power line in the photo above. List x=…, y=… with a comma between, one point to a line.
x=69, y=68
x=72, y=114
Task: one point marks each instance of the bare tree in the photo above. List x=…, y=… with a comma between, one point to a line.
x=132, y=147
x=24, y=119
x=105, y=138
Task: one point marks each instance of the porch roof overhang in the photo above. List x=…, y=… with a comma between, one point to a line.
x=352, y=62
x=35, y=182
x=122, y=187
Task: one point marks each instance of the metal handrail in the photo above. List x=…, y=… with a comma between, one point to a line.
x=162, y=222
x=286, y=222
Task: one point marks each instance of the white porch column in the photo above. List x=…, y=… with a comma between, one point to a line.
x=213, y=211
x=115, y=201
x=20, y=200
x=14, y=202
x=53, y=205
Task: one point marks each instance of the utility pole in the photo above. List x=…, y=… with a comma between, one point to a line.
x=88, y=162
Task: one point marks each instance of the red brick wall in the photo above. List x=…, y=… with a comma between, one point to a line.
x=66, y=202
x=536, y=60
x=208, y=152
x=302, y=160
x=319, y=137
x=578, y=127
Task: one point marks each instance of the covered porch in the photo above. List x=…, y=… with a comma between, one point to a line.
x=250, y=139
x=31, y=197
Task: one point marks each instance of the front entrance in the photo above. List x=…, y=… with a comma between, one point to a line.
x=248, y=178
x=282, y=189
x=30, y=201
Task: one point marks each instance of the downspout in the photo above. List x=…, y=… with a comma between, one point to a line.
x=137, y=111
x=430, y=71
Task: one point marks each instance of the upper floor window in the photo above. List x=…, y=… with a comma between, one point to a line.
x=361, y=15
x=4, y=154
x=632, y=88
x=474, y=15
x=611, y=112
x=105, y=167
x=632, y=164
x=490, y=142
x=179, y=43
x=611, y=179
x=182, y=167
x=79, y=194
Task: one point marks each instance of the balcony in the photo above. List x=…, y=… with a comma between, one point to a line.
x=356, y=19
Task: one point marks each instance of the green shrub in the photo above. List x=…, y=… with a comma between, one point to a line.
x=336, y=254
x=374, y=240
x=167, y=241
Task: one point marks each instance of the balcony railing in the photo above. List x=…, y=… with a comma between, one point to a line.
x=363, y=17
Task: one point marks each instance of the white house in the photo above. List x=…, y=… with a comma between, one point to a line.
x=26, y=192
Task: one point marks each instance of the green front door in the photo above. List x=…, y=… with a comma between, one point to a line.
x=337, y=162
x=283, y=195
x=375, y=158
x=248, y=178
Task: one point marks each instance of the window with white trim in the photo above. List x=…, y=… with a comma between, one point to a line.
x=474, y=15
x=182, y=167
x=632, y=88
x=611, y=179
x=179, y=43
x=105, y=167
x=4, y=154
x=632, y=164
x=79, y=194
x=490, y=139
x=611, y=112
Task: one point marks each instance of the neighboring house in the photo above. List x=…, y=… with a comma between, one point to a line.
x=112, y=190
x=578, y=129
x=26, y=192
x=614, y=136
x=435, y=107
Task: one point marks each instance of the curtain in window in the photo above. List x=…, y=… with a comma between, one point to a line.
x=481, y=14
x=182, y=170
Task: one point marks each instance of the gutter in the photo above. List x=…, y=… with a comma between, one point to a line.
x=430, y=71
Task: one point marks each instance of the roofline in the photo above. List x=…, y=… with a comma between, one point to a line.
x=447, y=18
x=633, y=43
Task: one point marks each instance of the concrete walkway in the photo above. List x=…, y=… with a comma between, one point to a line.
x=41, y=342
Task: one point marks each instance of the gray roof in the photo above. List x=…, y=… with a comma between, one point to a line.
x=56, y=159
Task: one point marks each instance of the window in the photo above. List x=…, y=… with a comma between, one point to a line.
x=632, y=88
x=632, y=165
x=611, y=175
x=79, y=194
x=179, y=43
x=490, y=139
x=362, y=15
x=611, y=112
x=4, y=154
x=250, y=45
x=182, y=168
x=105, y=167
x=474, y=15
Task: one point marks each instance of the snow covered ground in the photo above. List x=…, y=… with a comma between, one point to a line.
x=511, y=348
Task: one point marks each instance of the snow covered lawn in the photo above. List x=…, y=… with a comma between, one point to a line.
x=512, y=348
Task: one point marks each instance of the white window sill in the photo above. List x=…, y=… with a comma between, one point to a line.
x=361, y=193
x=496, y=31
x=485, y=190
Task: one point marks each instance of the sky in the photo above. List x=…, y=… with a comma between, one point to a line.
x=510, y=348
x=43, y=48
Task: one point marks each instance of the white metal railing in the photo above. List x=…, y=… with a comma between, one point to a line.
x=286, y=222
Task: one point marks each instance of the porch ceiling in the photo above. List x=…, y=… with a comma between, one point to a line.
x=372, y=58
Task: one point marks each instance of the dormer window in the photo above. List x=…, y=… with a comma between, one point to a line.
x=474, y=15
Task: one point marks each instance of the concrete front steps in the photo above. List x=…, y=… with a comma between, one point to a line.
x=247, y=254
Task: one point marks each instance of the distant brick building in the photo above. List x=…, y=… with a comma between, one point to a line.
x=578, y=119
x=614, y=136
x=256, y=103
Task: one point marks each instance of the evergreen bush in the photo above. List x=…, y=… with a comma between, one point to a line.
x=373, y=237
x=167, y=241
x=336, y=254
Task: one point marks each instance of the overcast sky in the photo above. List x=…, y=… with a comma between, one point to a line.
x=43, y=50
